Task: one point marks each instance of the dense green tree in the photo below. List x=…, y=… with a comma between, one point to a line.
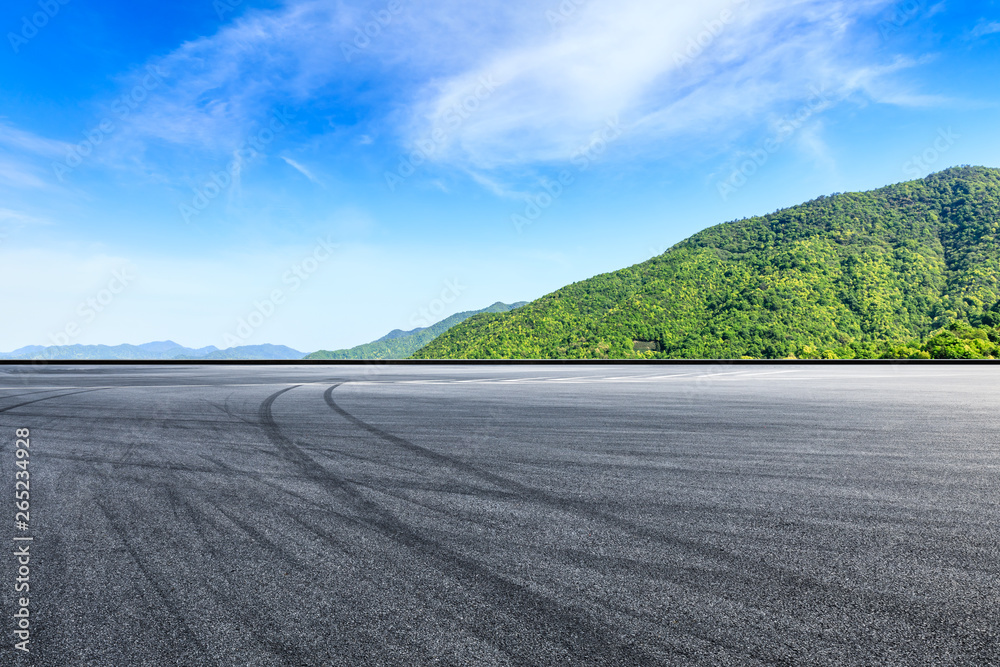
x=854, y=275
x=401, y=344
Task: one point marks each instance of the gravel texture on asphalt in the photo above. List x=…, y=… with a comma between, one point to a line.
x=506, y=515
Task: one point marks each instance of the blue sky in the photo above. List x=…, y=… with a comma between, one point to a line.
x=316, y=173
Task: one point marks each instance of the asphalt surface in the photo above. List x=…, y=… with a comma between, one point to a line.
x=497, y=515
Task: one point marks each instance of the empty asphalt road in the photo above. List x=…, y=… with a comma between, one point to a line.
x=504, y=515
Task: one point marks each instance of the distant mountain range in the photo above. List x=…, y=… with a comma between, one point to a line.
x=157, y=351
x=399, y=344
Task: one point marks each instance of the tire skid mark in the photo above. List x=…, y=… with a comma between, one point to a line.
x=572, y=631
x=233, y=605
x=154, y=581
x=523, y=492
x=785, y=578
x=49, y=398
x=535, y=494
x=281, y=649
x=30, y=393
x=231, y=411
x=427, y=453
x=357, y=457
x=260, y=538
x=175, y=503
x=330, y=538
x=268, y=481
x=456, y=515
x=792, y=584
x=587, y=509
x=691, y=578
x=450, y=488
x=160, y=587
x=286, y=652
x=119, y=464
x=199, y=520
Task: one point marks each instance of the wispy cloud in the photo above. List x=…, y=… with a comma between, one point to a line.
x=217, y=87
x=666, y=69
x=20, y=174
x=497, y=188
x=811, y=143
x=706, y=70
x=24, y=157
x=14, y=220
x=303, y=170
x=16, y=139
x=310, y=51
x=986, y=28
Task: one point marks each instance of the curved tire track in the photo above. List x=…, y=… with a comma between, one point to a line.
x=47, y=398
x=554, y=623
x=787, y=579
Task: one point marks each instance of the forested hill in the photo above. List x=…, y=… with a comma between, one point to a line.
x=399, y=344
x=853, y=275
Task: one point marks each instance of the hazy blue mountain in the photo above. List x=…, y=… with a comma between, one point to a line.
x=27, y=350
x=169, y=346
x=156, y=351
x=264, y=352
x=399, y=344
x=85, y=352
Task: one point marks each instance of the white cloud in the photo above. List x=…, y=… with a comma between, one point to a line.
x=303, y=170
x=18, y=218
x=20, y=174
x=986, y=28
x=666, y=69
x=811, y=143
x=24, y=157
x=497, y=188
x=21, y=141
x=216, y=88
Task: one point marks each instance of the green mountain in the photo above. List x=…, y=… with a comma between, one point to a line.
x=399, y=344
x=854, y=275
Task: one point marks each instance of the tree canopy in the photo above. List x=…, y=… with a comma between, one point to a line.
x=908, y=269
